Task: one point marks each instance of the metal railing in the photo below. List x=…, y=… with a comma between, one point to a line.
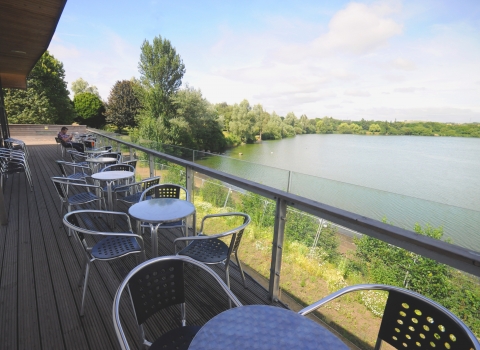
x=455, y=256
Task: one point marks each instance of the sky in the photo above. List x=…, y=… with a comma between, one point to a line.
x=377, y=60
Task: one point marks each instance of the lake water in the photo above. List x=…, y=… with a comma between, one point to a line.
x=405, y=179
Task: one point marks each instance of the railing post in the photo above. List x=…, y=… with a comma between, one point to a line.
x=189, y=181
x=131, y=153
x=190, y=178
x=151, y=163
x=289, y=181
x=277, y=247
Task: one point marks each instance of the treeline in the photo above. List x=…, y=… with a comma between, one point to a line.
x=155, y=107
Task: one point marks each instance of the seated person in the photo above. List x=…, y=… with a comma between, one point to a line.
x=66, y=140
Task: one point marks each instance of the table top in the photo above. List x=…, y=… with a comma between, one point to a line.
x=96, y=151
x=102, y=160
x=112, y=175
x=263, y=327
x=161, y=210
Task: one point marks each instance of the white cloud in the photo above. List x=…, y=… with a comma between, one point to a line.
x=403, y=64
x=360, y=29
x=357, y=93
x=114, y=60
x=408, y=89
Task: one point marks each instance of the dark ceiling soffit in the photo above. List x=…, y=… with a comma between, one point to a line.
x=49, y=40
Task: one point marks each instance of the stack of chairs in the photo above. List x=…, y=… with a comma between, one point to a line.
x=14, y=160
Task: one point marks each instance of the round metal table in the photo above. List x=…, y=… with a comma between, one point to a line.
x=262, y=327
x=109, y=177
x=159, y=211
x=93, y=152
x=95, y=162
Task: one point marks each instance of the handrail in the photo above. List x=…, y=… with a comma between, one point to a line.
x=455, y=256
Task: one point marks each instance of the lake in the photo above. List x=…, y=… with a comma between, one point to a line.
x=405, y=179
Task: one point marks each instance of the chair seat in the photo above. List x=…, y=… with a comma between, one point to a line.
x=77, y=176
x=82, y=198
x=114, y=247
x=133, y=198
x=176, y=339
x=208, y=251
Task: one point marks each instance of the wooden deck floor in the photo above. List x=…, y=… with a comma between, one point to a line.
x=40, y=267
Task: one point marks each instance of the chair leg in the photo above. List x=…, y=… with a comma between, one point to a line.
x=241, y=270
x=85, y=283
x=227, y=279
x=378, y=344
x=183, y=312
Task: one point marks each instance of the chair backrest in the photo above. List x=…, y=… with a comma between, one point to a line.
x=132, y=162
x=77, y=157
x=156, y=284
x=412, y=321
x=61, y=166
x=110, y=155
x=57, y=140
x=88, y=144
x=165, y=191
x=119, y=167
x=60, y=188
x=147, y=184
x=236, y=232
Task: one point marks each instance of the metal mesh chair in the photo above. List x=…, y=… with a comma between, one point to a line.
x=81, y=175
x=114, y=245
x=84, y=193
x=78, y=157
x=135, y=189
x=59, y=145
x=167, y=191
x=153, y=286
x=212, y=250
x=412, y=321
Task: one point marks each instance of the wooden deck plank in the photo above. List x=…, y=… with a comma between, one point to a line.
x=8, y=285
x=65, y=263
x=28, y=328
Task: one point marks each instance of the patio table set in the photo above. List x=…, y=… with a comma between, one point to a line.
x=157, y=283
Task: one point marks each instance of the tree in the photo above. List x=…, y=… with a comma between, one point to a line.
x=273, y=129
x=89, y=109
x=325, y=126
x=291, y=119
x=225, y=113
x=28, y=107
x=161, y=72
x=46, y=94
x=243, y=122
x=79, y=86
x=374, y=128
x=344, y=128
x=123, y=104
x=199, y=120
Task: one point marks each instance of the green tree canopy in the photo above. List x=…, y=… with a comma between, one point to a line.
x=79, y=86
x=374, y=128
x=123, y=104
x=161, y=72
x=243, y=122
x=46, y=99
x=201, y=119
x=89, y=109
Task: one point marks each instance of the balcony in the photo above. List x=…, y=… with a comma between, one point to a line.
x=39, y=296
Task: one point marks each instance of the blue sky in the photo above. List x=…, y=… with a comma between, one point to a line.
x=382, y=60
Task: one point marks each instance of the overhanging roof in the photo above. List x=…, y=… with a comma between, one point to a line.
x=26, y=29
